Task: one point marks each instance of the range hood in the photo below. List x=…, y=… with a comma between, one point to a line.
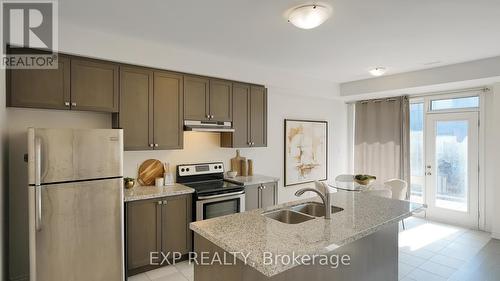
x=208, y=126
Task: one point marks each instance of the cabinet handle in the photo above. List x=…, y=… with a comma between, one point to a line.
x=150, y=145
x=160, y=202
x=66, y=103
x=211, y=117
x=208, y=116
x=156, y=145
x=164, y=202
x=73, y=104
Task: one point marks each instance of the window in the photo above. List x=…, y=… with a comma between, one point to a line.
x=417, y=152
x=455, y=103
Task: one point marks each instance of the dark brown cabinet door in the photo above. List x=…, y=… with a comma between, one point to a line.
x=196, y=98
x=258, y=116
x=40, y=88
x=143, y=233
x=268, y=195
x=168, y=124
x=220, y=100
x=136, y=86
x=252, y=197
x=176, y=216
x=241, y=135
x=94, y=85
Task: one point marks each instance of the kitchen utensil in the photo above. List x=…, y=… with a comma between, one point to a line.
x=236, y=162
x=244, y=171
x=231, y=174
x=149, y=171
x=159, y=182
x=250, y=167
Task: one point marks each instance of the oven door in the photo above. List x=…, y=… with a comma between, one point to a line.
x=212, y=206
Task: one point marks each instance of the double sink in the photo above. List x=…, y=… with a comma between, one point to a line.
x=300, y=213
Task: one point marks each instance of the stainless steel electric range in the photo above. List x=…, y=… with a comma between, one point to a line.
x=213, y=196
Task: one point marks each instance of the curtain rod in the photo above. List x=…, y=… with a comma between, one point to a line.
x=483, y=89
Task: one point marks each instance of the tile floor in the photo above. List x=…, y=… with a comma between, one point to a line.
x=428, y=251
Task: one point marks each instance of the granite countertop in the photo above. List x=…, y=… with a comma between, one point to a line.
x=150, y=192
x=251, y=180
x=253, y=234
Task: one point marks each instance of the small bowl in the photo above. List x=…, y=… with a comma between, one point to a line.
x=365, y=182
x=231, y=174
x=129, y=184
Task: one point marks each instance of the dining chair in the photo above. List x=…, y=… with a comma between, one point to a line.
x=399, y=190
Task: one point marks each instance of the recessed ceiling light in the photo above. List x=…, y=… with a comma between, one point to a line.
x=309, y=16
x=378, y=71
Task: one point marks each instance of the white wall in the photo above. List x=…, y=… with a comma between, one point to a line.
x=289, y=96
x=492, y=154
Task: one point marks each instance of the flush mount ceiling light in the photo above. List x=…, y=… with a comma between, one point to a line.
x=378, y=71
x=309, y=16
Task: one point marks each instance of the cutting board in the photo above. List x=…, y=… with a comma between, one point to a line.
x=149, y=171
x=236, y=162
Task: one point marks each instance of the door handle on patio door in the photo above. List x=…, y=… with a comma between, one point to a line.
x=38, y=182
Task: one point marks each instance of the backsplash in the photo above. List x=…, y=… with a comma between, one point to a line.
x=200, y=147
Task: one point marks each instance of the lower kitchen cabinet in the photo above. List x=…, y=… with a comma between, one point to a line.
x=155, y=226
x=261, y=195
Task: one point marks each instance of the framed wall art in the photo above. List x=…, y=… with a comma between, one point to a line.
x=306, y=151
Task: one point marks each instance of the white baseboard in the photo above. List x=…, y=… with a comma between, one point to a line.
x=495, y=235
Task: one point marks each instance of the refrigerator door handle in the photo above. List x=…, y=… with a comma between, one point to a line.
x=38, y=188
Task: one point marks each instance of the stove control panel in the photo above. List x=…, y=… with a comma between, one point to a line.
x=200, y=169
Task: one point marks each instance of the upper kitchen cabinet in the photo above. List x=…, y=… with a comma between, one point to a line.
x=207, y=99
x=78, y=83
x=258, y=116
x=151, y=104
x=220, y=102
x=167, y=111
x=249, y=117
x=196, y=98
x=136, y=87
x=40, y=88
x=94, y=85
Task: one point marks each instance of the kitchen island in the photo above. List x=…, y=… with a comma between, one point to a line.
x=363, y=230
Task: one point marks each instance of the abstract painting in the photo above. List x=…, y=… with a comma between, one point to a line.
x=306, y=150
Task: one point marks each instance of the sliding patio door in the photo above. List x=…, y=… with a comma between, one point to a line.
x=452, y=167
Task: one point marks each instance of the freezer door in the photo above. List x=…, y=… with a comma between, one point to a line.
x=75, y=154
x=80, y=232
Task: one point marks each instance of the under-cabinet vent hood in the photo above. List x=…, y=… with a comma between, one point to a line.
x=208, y=126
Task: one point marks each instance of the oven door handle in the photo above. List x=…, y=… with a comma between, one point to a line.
x=220, y=195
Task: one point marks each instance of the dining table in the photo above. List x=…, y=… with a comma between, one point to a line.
x=354, y=186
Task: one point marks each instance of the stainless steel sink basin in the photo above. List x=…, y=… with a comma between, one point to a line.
x=314, y=209
x=287, y=216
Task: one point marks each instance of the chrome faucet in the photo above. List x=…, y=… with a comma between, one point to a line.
x=325, y=197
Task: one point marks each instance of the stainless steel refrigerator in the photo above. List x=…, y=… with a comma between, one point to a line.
x=75, y=204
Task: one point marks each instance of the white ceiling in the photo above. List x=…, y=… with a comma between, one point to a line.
x=401, y=35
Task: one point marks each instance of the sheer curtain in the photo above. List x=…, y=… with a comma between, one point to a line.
x=381, y=138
